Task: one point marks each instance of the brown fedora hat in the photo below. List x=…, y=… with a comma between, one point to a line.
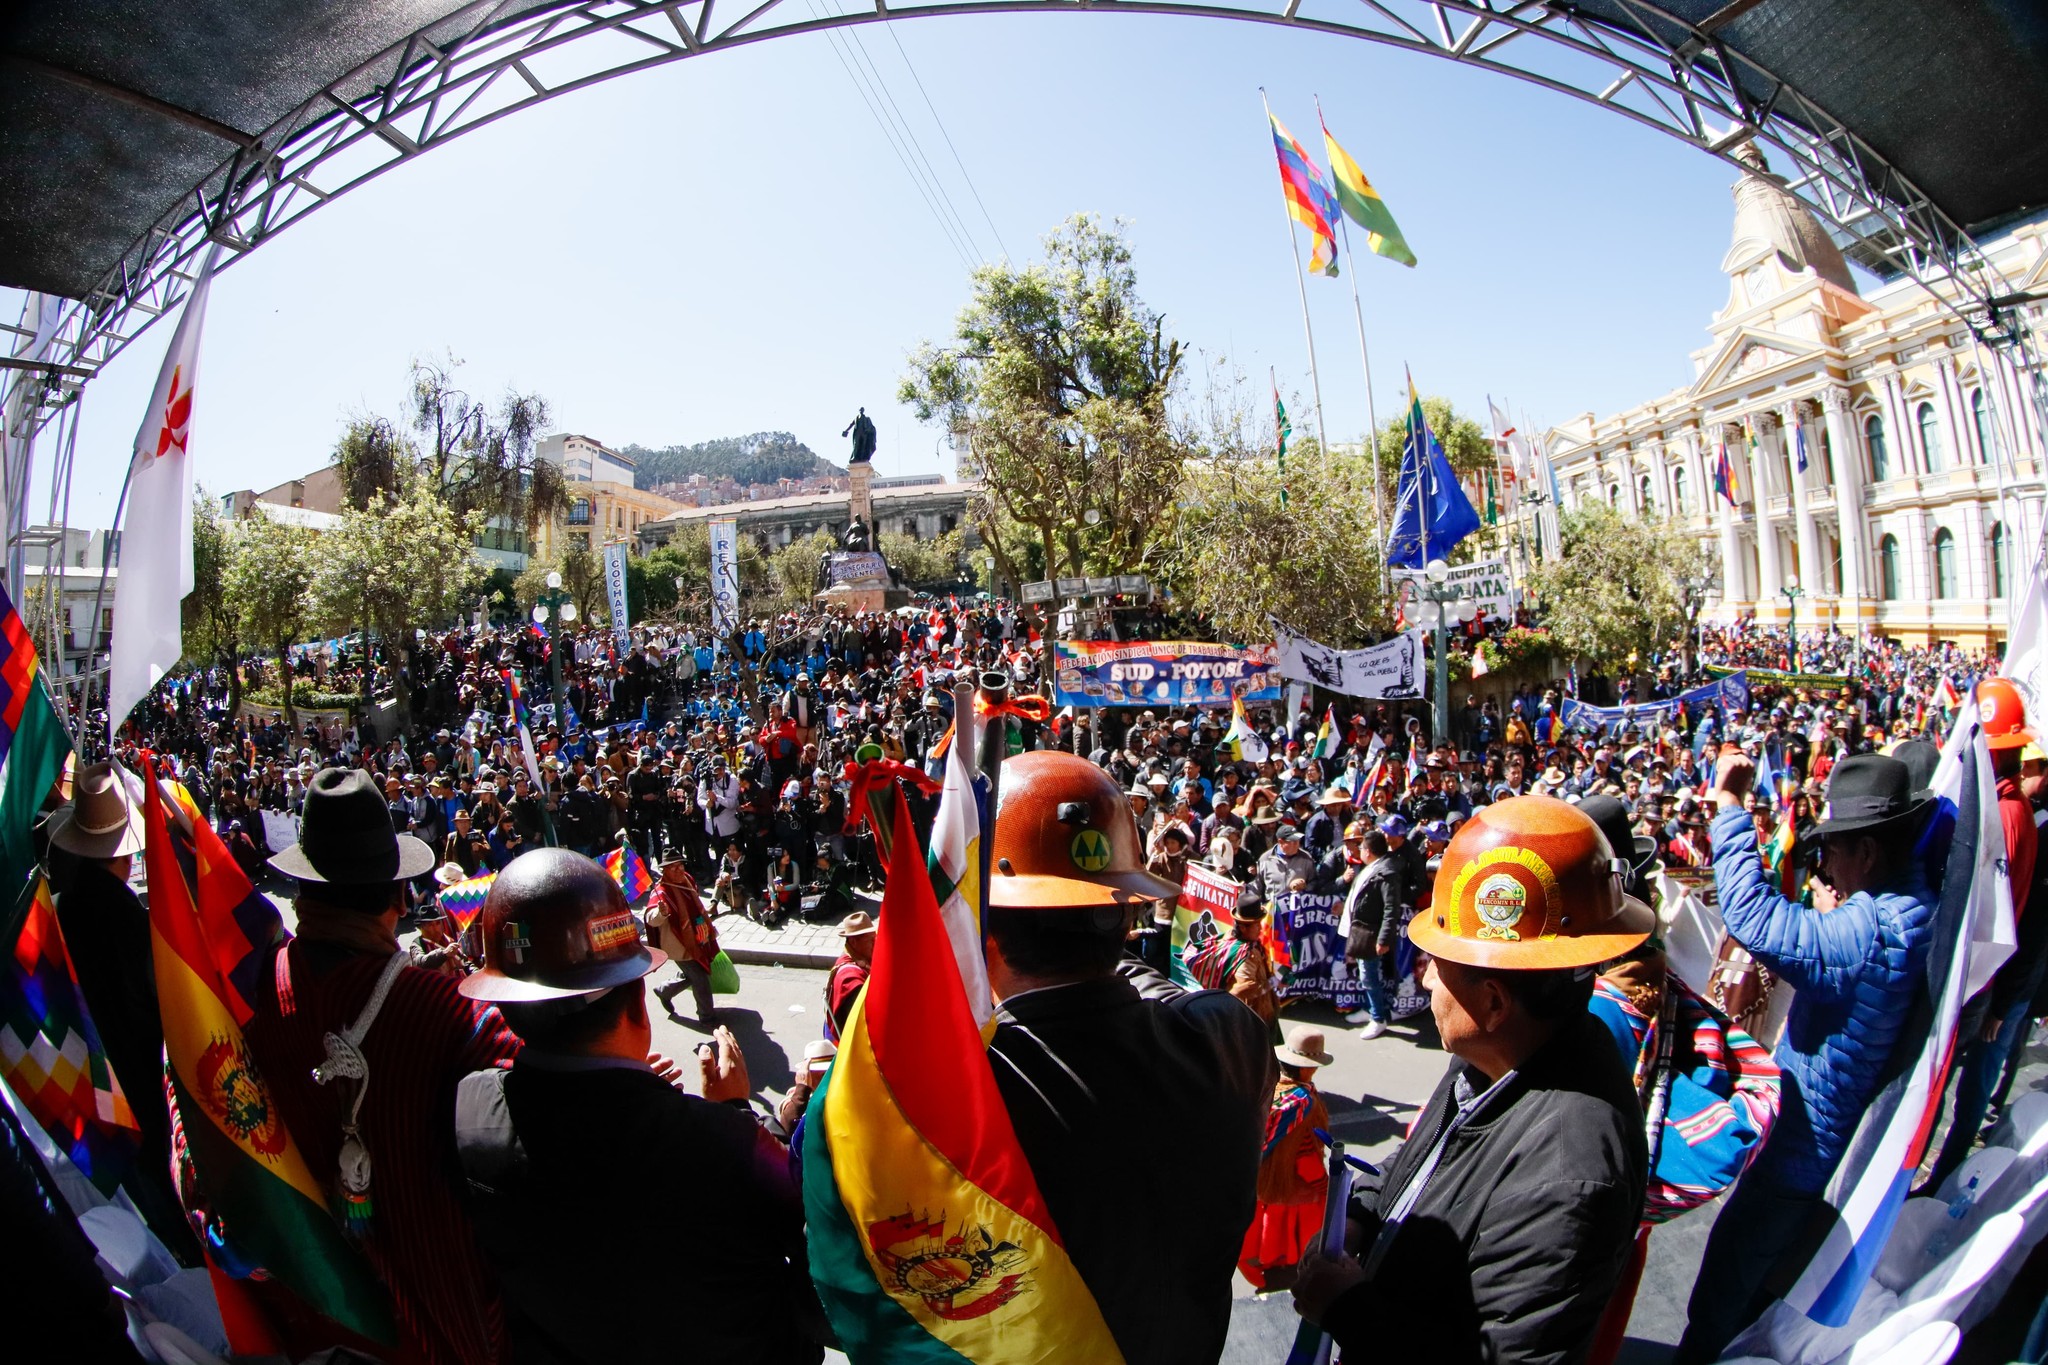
x=103, y=820
x=345, y=836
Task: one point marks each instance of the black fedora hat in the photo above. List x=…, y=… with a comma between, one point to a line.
x=345, y=835
x=1615, y=822
x=1867, y=791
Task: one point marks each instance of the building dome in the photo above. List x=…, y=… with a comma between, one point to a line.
x=1770, y=219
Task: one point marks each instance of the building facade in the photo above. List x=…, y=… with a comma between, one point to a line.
x=601, y=512
x=585, y=459
x=920, y=506
x=1886, y=470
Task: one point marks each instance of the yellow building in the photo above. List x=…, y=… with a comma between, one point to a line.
x=602, y=512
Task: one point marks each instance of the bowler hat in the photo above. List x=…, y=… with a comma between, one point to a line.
x=345, y=836
x=1868, y=791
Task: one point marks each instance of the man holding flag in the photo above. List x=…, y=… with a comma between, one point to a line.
x=1855, y=960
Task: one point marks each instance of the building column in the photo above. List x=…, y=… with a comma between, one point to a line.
x=1811, y=577
x=1849, y=522
x=1769, y=606
x=1949, y=412
x=1905, y=432
x=1723, y=518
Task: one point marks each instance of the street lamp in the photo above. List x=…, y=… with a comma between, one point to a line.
x=1442, y=606
x=555, y=602
x=1792, y=594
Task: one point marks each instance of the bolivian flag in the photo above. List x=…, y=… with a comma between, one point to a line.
x=929, y=1240
x=256, y=1184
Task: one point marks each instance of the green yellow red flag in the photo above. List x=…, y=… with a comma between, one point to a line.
x=257, y=1184
x=929, y=1239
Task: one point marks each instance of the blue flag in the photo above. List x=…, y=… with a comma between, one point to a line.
x=1432, y=513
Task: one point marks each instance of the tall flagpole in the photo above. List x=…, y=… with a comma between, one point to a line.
x=1372, y=440
x=1301, y=283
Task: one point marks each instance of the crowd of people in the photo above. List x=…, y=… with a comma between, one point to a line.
x=730, y=770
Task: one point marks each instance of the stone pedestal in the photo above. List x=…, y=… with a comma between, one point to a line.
x=860, y=477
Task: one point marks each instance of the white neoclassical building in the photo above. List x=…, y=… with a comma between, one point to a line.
x=1905, y=519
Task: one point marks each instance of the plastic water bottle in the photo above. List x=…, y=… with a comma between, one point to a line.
x=1958, y=1209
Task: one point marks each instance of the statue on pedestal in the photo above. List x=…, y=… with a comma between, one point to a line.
x=857, y=537
x=863, y=438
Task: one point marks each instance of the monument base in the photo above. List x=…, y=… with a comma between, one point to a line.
x=862, y=597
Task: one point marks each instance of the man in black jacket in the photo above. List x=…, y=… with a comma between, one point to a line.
x=1502, y=1227
x=552, y=1150
x=1092, y=1050
x=1374, y=907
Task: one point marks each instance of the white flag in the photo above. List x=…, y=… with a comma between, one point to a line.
x=2026, y=656
x=156, y=535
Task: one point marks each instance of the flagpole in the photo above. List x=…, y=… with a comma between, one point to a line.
x=1372, y=440
x=1301, y=283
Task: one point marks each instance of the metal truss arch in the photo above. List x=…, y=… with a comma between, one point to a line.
x=493, y=58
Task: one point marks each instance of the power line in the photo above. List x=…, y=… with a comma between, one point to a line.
x=949, y=141
x=966, y=254
x=945, y=197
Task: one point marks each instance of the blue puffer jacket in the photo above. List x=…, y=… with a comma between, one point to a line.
x=1855, y=970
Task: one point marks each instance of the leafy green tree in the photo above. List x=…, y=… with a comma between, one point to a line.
x=211, y=621
x=789, y=576
x=372, y=458
x=1314, y=561
x=403, y=563
x=1465, y=444
x=1062, y=378
x=763, y=457
x=942, y=559
x=1613, y=595
x=268, y=584
x=582, y=579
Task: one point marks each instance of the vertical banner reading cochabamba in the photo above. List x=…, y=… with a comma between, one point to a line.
x=725, y=578
x=615, y=590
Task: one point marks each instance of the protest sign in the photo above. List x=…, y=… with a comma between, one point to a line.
x=1386, y=671
x=1730, y=693
x=1487, y=583
x=1207, y=902
x=1161, y=673
x=1308, y=952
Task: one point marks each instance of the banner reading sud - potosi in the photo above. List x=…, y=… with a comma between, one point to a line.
x=1161, y=673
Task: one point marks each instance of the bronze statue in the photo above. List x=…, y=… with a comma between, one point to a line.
x=863, y=438
x=856, y=537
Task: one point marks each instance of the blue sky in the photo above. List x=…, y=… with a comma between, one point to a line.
x=728, y=244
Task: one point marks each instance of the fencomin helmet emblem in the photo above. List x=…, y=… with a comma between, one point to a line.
x=1500, y=901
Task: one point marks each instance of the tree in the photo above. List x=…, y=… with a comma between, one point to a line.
x=371, y=457
x=1314, y=561
x=268, y=583
x=763, y=457
x=482, y=458
x=210, y=621
x=1613, y=594
x=940, y=560
x=582, y=579
x=790, y=576
x=405, y=562
x=1061, y=378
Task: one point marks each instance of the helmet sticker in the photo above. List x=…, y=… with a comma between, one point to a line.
x=610, y=931
x=1503, y=857
x=1090, y=850
x=513, y=937
x=1499, y=903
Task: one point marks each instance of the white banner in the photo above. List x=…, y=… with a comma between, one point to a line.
x=725, y=577
x=2026, y=657
x=615, y=590
x=1388, y=671
x=1486, y=583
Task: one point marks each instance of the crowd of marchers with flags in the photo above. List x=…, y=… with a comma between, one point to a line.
x=325, y=1040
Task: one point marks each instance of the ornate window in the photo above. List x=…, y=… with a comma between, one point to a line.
x=1980, y=417
x=1998, y=559
x=1678, y=492
x=1944, y=564
x=1614, y=496
x=1649, y=499
x=1880, y=455
x=1888, y=566
x=1930, y=437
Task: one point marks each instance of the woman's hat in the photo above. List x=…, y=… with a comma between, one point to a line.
x=1868, y=791
x=104, y=819
x=447, y=874
x=345, y=836
x=1305, y=1047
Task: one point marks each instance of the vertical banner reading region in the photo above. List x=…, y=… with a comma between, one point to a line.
x=725, y=577
x=615, y=590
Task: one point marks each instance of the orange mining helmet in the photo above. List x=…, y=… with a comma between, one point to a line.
x=1530, y=883
x=2003, y=714
x=1065, y=837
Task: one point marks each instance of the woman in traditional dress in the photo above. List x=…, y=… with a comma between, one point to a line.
x=1294, y=1178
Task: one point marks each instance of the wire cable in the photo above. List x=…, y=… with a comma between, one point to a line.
x=971, y=189
x=888, y=132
